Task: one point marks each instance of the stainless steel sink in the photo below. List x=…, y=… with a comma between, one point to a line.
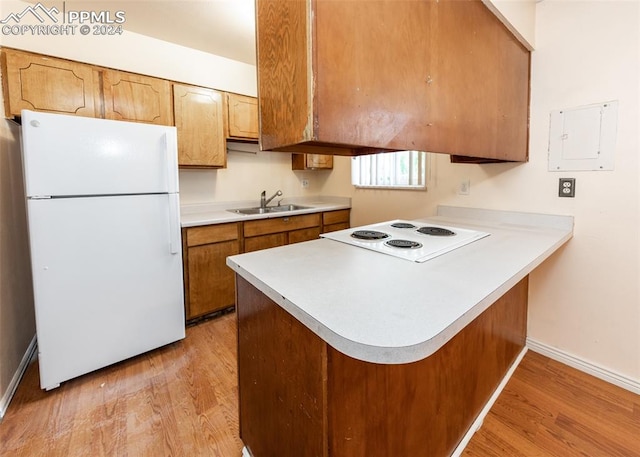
x=268, y=209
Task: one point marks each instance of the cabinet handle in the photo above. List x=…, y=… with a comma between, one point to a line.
x=285, y=219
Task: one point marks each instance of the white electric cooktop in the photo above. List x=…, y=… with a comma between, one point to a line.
x=417, y=241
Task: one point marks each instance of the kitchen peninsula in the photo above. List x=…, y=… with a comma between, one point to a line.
x=343, y=351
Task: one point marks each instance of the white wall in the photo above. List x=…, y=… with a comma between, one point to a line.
x=586, y=299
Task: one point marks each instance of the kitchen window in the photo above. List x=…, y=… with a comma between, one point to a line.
x=390, y=170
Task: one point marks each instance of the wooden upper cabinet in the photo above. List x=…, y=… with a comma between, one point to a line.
x=42, y=83
x=242, y=117
x=311, y=162
x=442, y=76
x=200, y=124
x=136, y=98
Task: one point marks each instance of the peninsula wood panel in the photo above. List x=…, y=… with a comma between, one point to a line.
x=136, y=98
x=199, y=122
x=426, y=407
x=42, y=83
x=282, y=406
x=371, y=410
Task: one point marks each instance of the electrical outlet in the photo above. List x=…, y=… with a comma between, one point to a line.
x=305, y=183
x=567, y=187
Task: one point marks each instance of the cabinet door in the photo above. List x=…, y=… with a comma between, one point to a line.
x=211, y=282
x=137, y=98
x=43, y=83
x=319, y=161
x=311, y=162
x=242, y=116
x=199, y=120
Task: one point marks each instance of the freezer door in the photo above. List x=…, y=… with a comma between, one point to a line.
x=107, y=274
x=72, y=155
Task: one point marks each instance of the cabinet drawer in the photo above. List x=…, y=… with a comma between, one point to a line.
x=256, y=243
x=297, y=236
x=335, y=227
x=335, y=217
x=281, y=224
x=212, y=234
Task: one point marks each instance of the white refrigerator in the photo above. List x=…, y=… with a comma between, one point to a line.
x=104, y=232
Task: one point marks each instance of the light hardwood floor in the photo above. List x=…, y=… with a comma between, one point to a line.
x=181, y=400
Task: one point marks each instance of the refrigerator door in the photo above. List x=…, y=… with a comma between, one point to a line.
x=72, y=155
x=107, y=274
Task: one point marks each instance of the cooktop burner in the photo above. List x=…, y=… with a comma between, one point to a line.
x=404, y=244
x=406, y=225
x=369, y=235
x=436, y=231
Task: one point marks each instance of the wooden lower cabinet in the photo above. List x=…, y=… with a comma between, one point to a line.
x=336, y=220
x=299, y=396
x=208, y=282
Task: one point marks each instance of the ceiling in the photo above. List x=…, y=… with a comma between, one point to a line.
x=222, y=27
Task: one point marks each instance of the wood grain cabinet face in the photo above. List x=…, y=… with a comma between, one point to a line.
x=441, y=76
x=136, y=98
x=242, y=117
x=199, y=121
x=336, y=220
x=41, y=83
x=268, y=233
x=311, y=162
x=209, y=283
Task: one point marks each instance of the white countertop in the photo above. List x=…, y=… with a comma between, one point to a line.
x=193, y=215
x=382, y=309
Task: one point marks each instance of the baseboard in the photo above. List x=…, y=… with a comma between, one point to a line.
x=13, y=385
x=487, y=407
x=599, y=372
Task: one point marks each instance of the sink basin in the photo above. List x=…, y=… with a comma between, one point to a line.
x=268, y=209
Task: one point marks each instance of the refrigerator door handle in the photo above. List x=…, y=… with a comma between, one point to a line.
x=171, y=160
x=174, y=223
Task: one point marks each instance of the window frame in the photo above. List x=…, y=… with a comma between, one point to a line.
x=357, y=171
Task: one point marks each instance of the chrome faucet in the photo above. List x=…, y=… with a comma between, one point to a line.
x=265, y=201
